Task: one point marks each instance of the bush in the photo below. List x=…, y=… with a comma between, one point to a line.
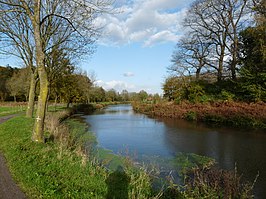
x=253, y=92
x=191, y=116
x=227, y=96
x=194, y=92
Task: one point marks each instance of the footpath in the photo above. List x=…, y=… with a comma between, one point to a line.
x=8, y=188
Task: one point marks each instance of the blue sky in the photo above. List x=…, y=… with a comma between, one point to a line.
x=131, y=67
x=135, y=48
x=137, y=44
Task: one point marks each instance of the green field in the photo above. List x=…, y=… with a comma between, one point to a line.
x=7, y=110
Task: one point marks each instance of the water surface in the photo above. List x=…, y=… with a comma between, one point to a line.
x=119, y=129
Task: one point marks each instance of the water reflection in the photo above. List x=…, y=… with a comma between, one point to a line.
x=118, y=128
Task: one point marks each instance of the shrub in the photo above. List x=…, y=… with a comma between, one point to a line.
x=227, y=96
x=194, y=93
x=191, y=116
x=253, y=92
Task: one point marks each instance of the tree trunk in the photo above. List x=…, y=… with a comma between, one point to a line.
x=55, y=101
x=198, y=73
x=234, y=58
x=48, y=96
x=220, y=71
x=33, y=82
x=38, y=135
x=221, y=62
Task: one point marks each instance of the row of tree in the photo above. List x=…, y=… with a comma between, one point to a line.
x=225, y=41
x=46, y=34
x=66, y=86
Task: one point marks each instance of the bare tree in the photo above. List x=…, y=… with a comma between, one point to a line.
x=17, y=40
x=221, y=22
x=52, y=23
x=190, y=55
x=234, y=22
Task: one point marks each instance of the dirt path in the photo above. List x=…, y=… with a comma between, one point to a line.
x=8, y=188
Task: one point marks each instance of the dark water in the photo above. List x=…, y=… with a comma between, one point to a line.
x=118, y=128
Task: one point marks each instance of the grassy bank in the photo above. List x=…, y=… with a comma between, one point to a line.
x=59, y=170
x=233, y=114
x=47, y=170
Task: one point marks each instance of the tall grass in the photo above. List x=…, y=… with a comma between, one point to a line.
x=211, y=182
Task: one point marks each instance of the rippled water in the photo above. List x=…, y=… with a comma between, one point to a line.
x=118, y=128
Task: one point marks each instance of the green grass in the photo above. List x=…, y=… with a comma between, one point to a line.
x=111, y=160
x=8, y=110
x=45, y=171
x=184, y=162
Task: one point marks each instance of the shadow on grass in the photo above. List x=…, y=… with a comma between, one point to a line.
x=117, y=183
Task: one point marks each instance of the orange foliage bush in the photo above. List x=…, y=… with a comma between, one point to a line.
x=224, y=110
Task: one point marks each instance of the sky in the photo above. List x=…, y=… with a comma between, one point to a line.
x=136, y=46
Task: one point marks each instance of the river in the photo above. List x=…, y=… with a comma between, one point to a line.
x=118, y=128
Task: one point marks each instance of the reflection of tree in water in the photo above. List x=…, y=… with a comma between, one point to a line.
x=117, y=183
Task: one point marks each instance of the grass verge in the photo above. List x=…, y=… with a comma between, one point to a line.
x=45, y=170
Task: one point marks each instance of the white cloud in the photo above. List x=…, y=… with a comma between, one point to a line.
x=117, y=85
x=145, y=21
x=161, y=37
x=121, y=85
x=128, y=74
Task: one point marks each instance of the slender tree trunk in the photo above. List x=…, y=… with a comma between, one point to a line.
x=38, y=134
x=234, y=58
x=48, y=96
x=41, y=107
x=221, y=62
x=55, y=101
x=220, y=71
x=233, y=69
x=33, y=82
x=198, y=73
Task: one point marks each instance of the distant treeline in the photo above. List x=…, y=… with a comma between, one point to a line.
x=66, y=86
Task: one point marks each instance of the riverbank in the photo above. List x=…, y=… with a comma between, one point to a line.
x=63, y=167
x=59, y=169
x=231, y=114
